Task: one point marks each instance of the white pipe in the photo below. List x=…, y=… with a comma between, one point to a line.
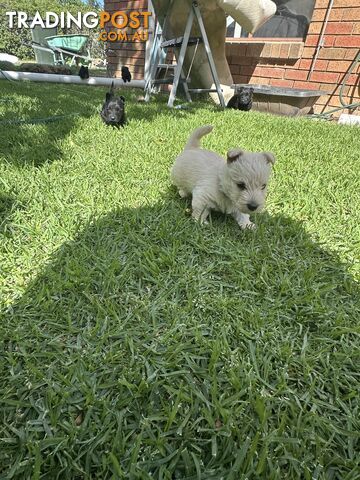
x=75, y=79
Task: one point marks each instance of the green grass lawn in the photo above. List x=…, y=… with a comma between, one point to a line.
x=136, y=344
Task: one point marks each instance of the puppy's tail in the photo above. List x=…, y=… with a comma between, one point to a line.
x=194, y=140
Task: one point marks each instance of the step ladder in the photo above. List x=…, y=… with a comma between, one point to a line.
x=177, y=75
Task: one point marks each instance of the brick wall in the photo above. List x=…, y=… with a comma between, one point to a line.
x=131, y=54
x=288, y=64
x=278, y=62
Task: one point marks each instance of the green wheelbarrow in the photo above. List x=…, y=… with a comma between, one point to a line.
x=55, y=49
x=70, y=46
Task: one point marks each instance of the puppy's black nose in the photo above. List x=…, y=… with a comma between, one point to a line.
x=252, y=206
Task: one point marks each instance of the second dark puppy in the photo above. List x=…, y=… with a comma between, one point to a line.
x=113, y=110
x=242, y=100
x=125, y=74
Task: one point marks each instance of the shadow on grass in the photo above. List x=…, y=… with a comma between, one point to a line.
x=32, y=134
x=32, y=131
x=150, y=347
x=7, y=204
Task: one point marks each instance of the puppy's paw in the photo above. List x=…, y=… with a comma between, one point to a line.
x=182, y=193
x=200, y=221
x=247, y=226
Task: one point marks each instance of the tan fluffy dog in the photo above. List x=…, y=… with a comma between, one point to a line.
x=236, y=186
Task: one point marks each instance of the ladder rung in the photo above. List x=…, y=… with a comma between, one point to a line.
x=166, y=65
x=176, y=71
x=202, y=90
x=176, y=42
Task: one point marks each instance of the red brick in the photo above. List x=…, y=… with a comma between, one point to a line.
x=326, y=77
x=270, y=62
x=321, y=65
x=296, y=50
x=340, y=28
x=130, y=53
x=305, y=64
x=351, y=14
x=353, y=91
x=284, y=51
x=318, y=15
x=323, y=100
x=241, y=61
x=246, y=70
x=269, y=72
x=260, y=80
x=129, y=61
x=328, y=87
x=321, y=3
x=336, y=14
x=312, y=40
x=348, y=41
x=356, y=30
x=241, y=79
x=127, y=46
x=241, y=50
x=238, y=49
x=353, y=80
x=254, y=50
x=235, y=69
x=338, y=66
x=278, y=82
x=346, y=3
x=308, y=52
x=295, y=74
x=351, y=53
x=334, y=101
x=307, y=85
x=332, y=53
x=275, y=50
x=228, y=48
x=315, y=27
x=266, y=52
x=347, y=90
x=329, y=40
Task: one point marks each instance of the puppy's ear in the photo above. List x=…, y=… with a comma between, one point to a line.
x=269, y=157
x=122, y=98
x=251, y=90
x=234, y=154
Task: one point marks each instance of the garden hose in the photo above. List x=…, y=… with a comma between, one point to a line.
x=351, y=106
x=32, y=121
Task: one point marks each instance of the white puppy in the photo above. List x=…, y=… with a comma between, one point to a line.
x=237, y=186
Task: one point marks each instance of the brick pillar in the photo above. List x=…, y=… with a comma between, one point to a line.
x=287, y=62
x=130, y=54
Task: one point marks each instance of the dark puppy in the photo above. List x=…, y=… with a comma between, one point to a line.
x=125, y=74
x=113, y=110
x=242, y=100
x=84, y=72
